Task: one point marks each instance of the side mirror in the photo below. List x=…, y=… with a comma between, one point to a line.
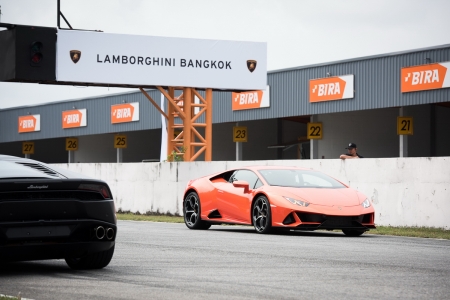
x=241, y=184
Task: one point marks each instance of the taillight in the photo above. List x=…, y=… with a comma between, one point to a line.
x=96, y=187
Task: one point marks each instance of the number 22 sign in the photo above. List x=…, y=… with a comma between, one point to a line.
x=315, y=131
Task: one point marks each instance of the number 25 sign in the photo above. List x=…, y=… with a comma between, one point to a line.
x=315, y=131
x=120, y=141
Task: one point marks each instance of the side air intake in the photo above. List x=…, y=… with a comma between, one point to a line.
x=214, y=215
x=41, y=168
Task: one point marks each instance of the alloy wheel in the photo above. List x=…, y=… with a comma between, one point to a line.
x=191, y=209
x=261, y=214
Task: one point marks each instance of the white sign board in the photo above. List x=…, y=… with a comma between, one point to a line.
x=105, y=58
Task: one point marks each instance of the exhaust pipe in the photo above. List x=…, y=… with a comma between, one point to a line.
x=99, y=232
x=109, y=233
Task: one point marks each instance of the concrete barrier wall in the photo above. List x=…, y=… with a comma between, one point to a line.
x=404, y=191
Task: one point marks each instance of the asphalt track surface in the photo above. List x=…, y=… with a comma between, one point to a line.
x=169, y=261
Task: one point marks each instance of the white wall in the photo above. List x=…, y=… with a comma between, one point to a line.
x=404, y=191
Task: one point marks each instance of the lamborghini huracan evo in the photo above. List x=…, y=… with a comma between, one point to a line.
x=52, y=213
x=276, y=197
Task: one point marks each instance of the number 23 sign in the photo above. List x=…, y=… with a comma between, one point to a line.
x=315, y=131
x=240, y=134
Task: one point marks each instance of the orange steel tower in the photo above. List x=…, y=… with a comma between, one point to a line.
x=194, y=137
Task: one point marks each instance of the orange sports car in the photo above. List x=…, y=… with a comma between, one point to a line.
x=276, y=197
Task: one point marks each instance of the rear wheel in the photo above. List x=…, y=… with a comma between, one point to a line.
x=192, y=212
x=261, y=215
x=97, y=260
x=353, y=232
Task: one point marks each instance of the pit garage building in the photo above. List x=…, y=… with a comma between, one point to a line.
x=391, y=105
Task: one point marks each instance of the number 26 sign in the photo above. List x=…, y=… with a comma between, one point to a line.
x=315, y=131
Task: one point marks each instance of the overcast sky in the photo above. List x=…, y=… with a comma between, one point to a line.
x=297, y=32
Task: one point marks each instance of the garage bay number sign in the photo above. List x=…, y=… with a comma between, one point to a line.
x=120, y=141
x=240, y=134
x=315, y=131
x=405, y=126
x=28, y=147
x=71, y=144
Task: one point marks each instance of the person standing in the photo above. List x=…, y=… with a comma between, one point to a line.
x=351, y=152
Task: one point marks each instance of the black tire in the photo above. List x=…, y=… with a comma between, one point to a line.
x=353, y=232
x=261, y=215
x=97, y=260
x=192, y=212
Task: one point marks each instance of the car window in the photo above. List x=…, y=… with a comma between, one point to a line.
x=299, y=178
x=258, y=184
x=312, y=180
x=246, y=175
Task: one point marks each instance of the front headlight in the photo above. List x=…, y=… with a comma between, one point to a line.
x=298, y=202
x=366, y=203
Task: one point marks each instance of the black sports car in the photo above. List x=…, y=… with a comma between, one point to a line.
x=50, y=213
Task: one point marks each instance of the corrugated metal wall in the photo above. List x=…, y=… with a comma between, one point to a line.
x=98, y=117
x=377, y=85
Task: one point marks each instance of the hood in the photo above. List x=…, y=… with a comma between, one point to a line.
x=321, y=196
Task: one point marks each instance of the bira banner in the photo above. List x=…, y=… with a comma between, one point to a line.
x=105, y=58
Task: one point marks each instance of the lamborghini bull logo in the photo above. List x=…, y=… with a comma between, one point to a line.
x=75, y=55
x=251, y=65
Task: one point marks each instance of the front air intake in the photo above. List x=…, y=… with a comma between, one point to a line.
x=289, y=219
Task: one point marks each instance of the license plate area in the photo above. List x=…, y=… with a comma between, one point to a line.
x=338, y=222
x=37, y=232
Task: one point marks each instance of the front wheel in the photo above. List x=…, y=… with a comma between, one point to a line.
x=192, y=210
x=261, y=215
x=353, y=232
x=97, y=260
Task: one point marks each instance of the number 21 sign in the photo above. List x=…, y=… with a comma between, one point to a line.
x=405, y=126
x=315, y=131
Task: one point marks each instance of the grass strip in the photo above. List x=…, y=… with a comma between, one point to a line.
x=422, y=232
x=4, y=297
x=151, y=218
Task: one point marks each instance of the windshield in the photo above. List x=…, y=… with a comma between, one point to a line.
x=299, y=179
